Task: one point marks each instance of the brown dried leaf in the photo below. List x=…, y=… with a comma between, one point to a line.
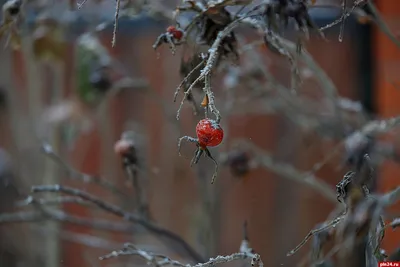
x=48, y=43
x=204, y=103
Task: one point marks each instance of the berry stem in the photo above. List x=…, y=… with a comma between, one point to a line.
x=197, y=155
x=208, y=154
x=211, y=98
x=186, y=138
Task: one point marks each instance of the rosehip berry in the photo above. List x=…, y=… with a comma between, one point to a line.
x=209, y=133
x=123, y=148
x=177, y=34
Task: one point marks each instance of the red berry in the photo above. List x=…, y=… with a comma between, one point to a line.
x=123, y=147
x=209, y=133
x=177, y=34
x=171, y=29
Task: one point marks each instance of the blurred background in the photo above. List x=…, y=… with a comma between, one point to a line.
x=52, y=91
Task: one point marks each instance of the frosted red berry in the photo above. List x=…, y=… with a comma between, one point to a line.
x=177, y=34
x=209, y=133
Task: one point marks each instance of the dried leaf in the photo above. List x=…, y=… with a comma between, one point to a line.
x=204, y=103
x=48, y=43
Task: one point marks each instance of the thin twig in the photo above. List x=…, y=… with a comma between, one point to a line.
x=60, y=216
x=372, y=129
x=206, y=71
x=114, y=38
x=391, y=197
x=289, y=172
x=161, y=260
x=113, y=209
x=74, y=174
x=141, y=201
x=81, y=4
x=187, y=92
x=187, y=78
x=356, y=4
x=54, y=201
x=314, y=232
x=382, y=24
x=341, y=32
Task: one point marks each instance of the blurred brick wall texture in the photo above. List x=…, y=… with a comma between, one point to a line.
x=279, y=212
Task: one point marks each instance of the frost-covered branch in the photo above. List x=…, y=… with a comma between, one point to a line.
x=160, y=260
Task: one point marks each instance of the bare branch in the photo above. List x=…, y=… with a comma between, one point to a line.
x=160, y=260
x=372, y=129
x=74, y=174
x=391, y=197
x=382, y=24
x=22, y=216
x=113, y=209
x=289, y=172
x=55, y=201
x=312, y=233
x=57, y=215
x=117, y=7
x=356, y=4
x=186, y=79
